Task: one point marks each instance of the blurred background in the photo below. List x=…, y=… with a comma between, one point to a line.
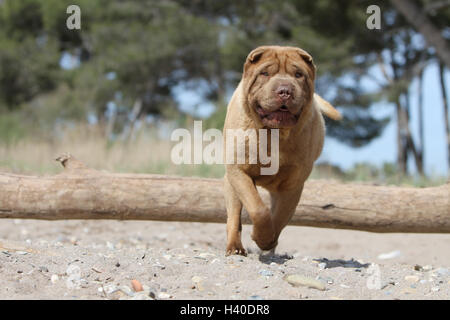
x=111, y=92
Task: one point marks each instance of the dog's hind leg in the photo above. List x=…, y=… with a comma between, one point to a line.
x=283, y=205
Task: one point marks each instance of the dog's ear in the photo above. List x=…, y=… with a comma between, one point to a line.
x=308, y=59
x=253, y=57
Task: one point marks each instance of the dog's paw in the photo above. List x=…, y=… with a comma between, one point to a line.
x=235, y=249
x=265, y=241
x=266, y=245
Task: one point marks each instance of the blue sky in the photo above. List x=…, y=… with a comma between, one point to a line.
x=383, y=149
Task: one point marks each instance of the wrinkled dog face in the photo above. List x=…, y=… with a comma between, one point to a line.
x=279, y=82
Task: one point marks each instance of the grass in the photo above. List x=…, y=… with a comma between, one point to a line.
x=148, y=153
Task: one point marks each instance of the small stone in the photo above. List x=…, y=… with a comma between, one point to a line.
x=206, y=255
x=110, y=245
x=408, y=291
x=167, y=257
x=110, y=288
x=158, y=265
x=418, y=268
x=435, y=289
x=427, y=268
x=255, y=297
x=136, y=285
x=299, y=280
x=389, y=255
x=412, y=278
x=54, y=278
x=74, y=280
x=127, y=290
x=322, y=265
x=141, y=296
x=266, y=273
x=43, y=269
x=117, y=264
x=196, y=279
x=325, y=279
x=163, y=295
x=344, y=286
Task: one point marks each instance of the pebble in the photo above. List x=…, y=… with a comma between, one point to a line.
x=389, y=255
x=163, y=295
x=255, y=297
x=141, y=296
x=158, y=265
x=54, y=278
x=408, y=291
x=299, y=280
x=110, y=245
x=136, y=285
x=266, y=273
x=127, y=290
x=43, y=269
x=412, y=278
x=74, y=277
x=435, y=289
x=322, y=265
x=196, y=279
x=22, y=253
x=325, y=279
x=205, y=255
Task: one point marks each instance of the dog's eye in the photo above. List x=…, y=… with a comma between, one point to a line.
x=299, y=75
x=265, y=73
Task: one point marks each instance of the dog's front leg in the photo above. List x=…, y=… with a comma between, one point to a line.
x=244, y=187
x=234, y=225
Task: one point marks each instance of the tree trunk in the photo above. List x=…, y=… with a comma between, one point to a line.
x=83, y=193
x=419, y=20
x=446, y=118
x=421, y=120
x=411, y=146
x=402, y=155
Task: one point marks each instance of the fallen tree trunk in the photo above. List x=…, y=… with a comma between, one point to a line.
x=83, y=193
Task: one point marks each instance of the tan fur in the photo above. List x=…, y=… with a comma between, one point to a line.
x=300, y=144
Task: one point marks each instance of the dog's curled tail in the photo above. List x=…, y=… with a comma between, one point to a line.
x=326, y=108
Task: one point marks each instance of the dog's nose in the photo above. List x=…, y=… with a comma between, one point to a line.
x=284, y=91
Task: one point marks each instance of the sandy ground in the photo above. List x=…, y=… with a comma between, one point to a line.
x=98, y=260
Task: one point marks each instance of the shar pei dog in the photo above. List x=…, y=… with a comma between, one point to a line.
x=274, y=102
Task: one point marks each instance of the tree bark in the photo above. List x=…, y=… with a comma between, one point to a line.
x=83, y=193
x=419, y=20
x=446, y=113
x=421, y=120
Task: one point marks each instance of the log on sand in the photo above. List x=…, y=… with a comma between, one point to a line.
x=83, y=193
